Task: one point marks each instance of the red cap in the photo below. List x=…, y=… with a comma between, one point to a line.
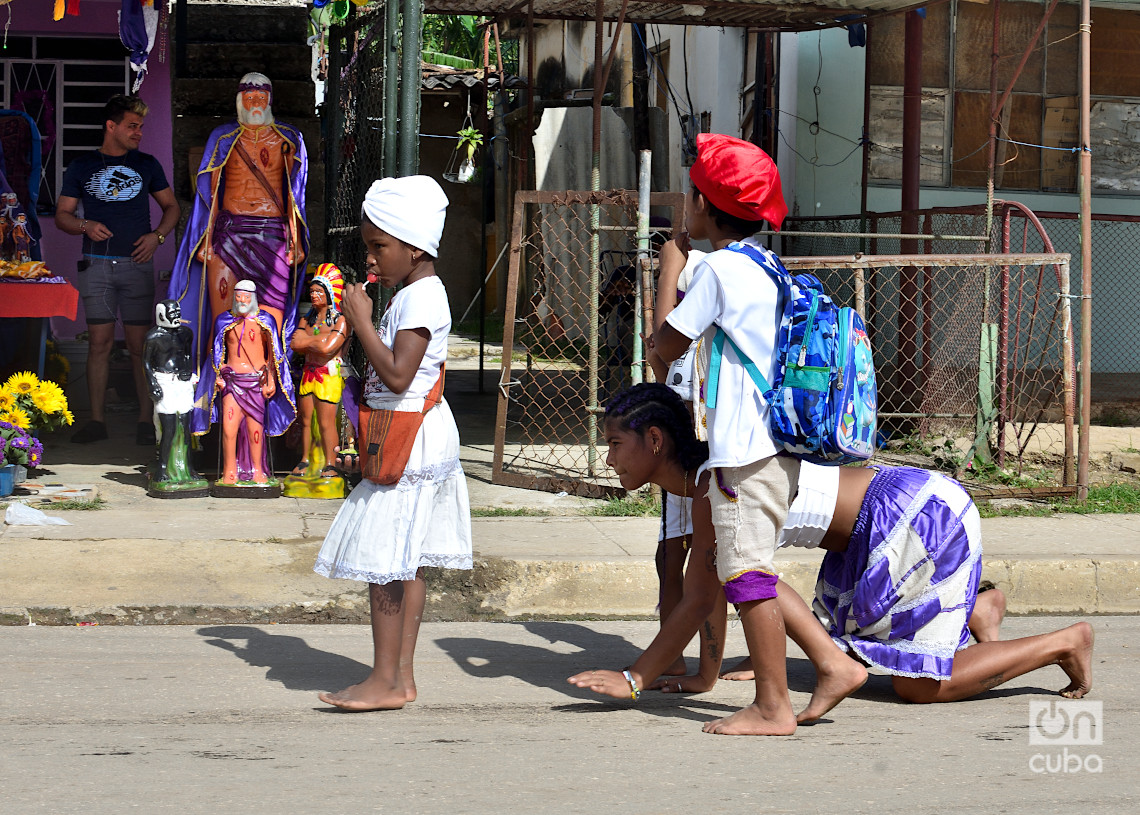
x=739, y=178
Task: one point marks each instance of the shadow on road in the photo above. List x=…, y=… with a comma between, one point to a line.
x=290, y=660
x=549, y=668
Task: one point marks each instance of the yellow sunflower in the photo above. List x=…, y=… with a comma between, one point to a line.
x=7, y=400
x=68, y=417
x=17, y=417
x=50, y=400
x=22, y=382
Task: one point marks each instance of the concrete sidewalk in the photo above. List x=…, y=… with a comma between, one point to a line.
x=207, y=560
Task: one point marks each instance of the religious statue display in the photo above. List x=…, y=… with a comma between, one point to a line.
x=245, y=384
x=172, y=377
x=248, y=218
x=320, y=337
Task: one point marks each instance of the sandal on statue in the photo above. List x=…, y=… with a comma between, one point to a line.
x=301, y=468
x=329, y=471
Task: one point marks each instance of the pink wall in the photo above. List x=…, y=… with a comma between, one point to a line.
x=100, y=18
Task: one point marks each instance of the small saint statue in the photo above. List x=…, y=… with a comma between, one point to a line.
x=245, y=385
x=171, y=377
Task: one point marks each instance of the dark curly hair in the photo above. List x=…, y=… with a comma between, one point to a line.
x=655, y=405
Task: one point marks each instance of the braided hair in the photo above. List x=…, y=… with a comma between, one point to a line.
x=655, y=405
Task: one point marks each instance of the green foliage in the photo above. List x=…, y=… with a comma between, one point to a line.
x=454, y=34
x=636, y=504
x=507, y=512
x=470, y=138
x=76, y=504
x=1105, y=498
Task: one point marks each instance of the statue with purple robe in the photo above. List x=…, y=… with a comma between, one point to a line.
x=247, y=220
x=246, y=386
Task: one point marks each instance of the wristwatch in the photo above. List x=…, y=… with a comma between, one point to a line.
x=161, y=237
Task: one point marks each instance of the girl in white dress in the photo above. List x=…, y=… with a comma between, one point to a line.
x=386, y=534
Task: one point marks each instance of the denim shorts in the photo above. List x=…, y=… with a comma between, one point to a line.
x=117, y=285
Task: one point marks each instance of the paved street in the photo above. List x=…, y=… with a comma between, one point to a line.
x=217, y=719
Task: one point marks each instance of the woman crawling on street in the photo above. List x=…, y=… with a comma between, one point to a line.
x=897, y=589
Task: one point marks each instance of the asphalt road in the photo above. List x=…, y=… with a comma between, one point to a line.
x=223, y=719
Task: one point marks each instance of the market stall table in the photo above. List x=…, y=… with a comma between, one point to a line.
x=43, y=299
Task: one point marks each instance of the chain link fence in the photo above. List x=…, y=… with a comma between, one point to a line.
x=571, y=335
x=1115, y=365
x=974, y=352
x=358, y=62
x=974, y=361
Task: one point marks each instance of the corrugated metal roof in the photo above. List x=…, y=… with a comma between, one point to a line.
x=785, y=15
x=442, y=77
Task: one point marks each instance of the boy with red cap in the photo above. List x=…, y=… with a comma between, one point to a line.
x=736, y=188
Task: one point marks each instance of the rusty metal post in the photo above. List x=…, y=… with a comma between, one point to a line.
x=911, y=169
x=1085, y=182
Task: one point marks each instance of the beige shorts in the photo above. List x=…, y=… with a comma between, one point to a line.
x=749, y=508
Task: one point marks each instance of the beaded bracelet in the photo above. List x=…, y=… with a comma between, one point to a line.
x=634, y=691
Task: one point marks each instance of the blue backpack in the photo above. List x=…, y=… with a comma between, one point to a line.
x=823, y=403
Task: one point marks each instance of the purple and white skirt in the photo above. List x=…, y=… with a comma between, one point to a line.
x=901, y=594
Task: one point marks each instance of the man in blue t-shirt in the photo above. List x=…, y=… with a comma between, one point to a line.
x=115, y=184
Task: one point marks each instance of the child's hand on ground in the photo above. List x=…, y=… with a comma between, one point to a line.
x=611, y=683
x=693, y=683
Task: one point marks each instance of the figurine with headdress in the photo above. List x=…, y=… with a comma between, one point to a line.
x=320, y=337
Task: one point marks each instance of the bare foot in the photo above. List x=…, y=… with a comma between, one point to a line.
x=260, y=477
x=368, y=695
x=989, y=611
x=1078, y=662
x=836, y=680
x=229, y=477
x=676, y=669
x=409, y=683
x=750, y=721
x=740, y=672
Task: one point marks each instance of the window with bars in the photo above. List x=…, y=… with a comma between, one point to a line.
x=62, y=83
x=1040, y=113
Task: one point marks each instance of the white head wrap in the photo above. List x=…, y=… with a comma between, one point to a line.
x=411, y=209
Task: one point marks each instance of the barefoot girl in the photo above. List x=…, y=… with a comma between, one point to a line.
x=913, y=628
x=386, y=534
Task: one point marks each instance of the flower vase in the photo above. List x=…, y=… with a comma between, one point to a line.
x=20, y=475
x=7, y=474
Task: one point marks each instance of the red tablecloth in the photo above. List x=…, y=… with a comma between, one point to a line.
x=38, y=299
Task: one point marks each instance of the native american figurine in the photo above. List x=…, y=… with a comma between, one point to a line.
x=171, y=376
x=248, y=218
x=320, y=337
x=245, y=385
x=21, y=240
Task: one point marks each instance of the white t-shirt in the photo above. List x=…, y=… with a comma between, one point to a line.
x=813, y=508
x=422, y=304
x=681, y=370
x=731, y=291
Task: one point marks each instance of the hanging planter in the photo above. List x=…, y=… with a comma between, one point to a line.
x=470, y=140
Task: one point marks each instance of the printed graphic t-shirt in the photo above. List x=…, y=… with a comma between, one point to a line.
x=115, y=191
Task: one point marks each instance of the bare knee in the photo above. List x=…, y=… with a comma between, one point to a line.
x=917, y=690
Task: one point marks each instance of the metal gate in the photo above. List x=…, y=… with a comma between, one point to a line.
x=569, y=335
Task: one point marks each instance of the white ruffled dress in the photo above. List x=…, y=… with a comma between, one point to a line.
x=385, y=533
